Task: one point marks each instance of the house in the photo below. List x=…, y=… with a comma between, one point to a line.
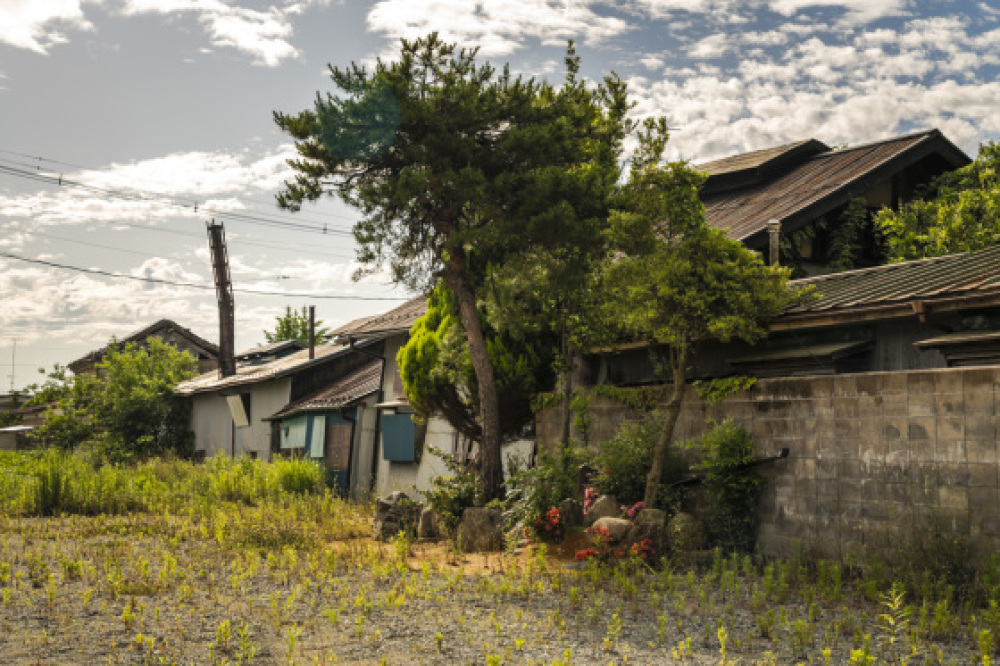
x=803, y=188
x=168, y=331
x=917, y=315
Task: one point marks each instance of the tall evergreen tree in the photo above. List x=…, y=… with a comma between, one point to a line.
x=456, y=168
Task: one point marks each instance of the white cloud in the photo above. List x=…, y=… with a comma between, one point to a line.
x=498, y=27
x=37, y=24
x=859, y=11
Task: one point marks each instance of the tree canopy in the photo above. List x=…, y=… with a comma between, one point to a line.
x=129, y=409
x=959, y=212
x=456, y=168
x=294, y=326
x=677, y=283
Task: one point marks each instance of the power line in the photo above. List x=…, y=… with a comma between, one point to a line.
x=192, y=285
x=167, y=201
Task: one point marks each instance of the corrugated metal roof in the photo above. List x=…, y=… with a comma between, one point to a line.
x=251, y=374
x=400, y=318
x=965, y=274
x=817, y=184
x=341, y=393
x=751, y=160
x=271, y=348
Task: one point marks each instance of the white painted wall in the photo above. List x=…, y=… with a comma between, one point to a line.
x=212, y=423
x=364, y=448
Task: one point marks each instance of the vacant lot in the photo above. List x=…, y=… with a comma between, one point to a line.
x=244, y=562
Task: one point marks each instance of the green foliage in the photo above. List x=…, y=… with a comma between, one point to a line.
x=731, y=493
x=438, y=376
x=128, y=410
x=294, y=326
x=959, y=212
x=556, y=476
x=53, y=482
x=623, y=462
x=451, y=495
x=716, y=390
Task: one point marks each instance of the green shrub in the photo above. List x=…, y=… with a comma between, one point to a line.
x=731, y=493
x=623, y=462
x=532, y=492
x=451, y=495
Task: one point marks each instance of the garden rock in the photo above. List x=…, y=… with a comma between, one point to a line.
x=428, y=527
x=479, y=530
x=571, y=512
x=395, y=513
x=618, y=528
x=604, y=507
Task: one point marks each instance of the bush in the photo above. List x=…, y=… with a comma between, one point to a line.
x=623, y=462
x=532, y=493
x=451, y=495
x=731, y=492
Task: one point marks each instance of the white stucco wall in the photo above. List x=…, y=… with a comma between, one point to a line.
x=212, y=423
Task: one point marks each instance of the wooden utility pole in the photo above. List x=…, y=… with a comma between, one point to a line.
x=224, y=292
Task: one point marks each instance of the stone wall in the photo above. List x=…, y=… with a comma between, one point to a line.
x=873, y=456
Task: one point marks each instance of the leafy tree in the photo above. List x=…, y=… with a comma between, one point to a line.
x=294, y=326
x=438, y=376
x=959, y=212
x=679, y=283
x=128, y=409
x=457, y=167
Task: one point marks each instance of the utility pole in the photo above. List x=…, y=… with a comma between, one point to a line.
x=224, y=292
x=13, y=364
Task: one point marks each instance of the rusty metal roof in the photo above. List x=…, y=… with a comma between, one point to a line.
x=757, y=159
x=400, y=318
x=145, y=332
x=818, y=184
x=341, y=393
x=963, y=275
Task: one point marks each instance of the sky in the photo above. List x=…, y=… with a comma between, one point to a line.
x=125, y=125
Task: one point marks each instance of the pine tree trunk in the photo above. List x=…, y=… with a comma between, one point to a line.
x=567, y=388
x=678, y=367
x=491, y=469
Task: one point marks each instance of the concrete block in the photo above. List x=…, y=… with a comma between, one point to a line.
x=922, y=449
x=920, y=428
x=845, y=408
x=981, y=450
x=895, y=405
x=950, y=451
x=828, y=448
x=870, y=430
x=897, y=455
x=948, y=381
x=827, y=489
x=952, y=499
x=980, y=427
x=900, y=493
x=893, y=428
x=825, y=468
x=846, y=429
x=849, y=491
x=982, y=475
x=951, y=427
x=845, y=385
x=921, y=404
x=979, y=403
x=977, y=380
x=951, y=404
x=894, y=383
x=870, y=407
x=868, y=384
x=920, y=382
x=874, y=493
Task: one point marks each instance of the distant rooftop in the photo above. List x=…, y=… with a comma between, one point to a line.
x=400, y=318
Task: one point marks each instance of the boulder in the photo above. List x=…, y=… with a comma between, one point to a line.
x=428, y=527
x=479, y=530
x=395, y=513
x=604, y=507
x=618, y=528
x=571, y=512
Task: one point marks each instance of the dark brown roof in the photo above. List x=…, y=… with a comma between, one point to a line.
x=817, y=185
x=271, y=348
x=142, y=334
x=341, y=393
x=957, y=280
x=400, y=318
x=757, y=159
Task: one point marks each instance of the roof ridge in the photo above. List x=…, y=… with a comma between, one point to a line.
x=928, y=133
x=888, y=267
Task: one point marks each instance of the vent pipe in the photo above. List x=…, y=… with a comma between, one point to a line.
x=774, y=241
x=224, y=292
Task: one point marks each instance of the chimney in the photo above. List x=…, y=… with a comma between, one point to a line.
x=312, y=331
x=224, y=292
x=774, y=238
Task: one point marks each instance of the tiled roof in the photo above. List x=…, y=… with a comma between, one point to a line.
x=252, y=374
x=816, y=185
x=400, y=318
x=271, y=348
x=962, y=276
x=341, y=393
x=145, y=332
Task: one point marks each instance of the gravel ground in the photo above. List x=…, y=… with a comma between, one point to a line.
x=159, y=589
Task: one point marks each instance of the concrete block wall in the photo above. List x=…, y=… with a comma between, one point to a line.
x=873, y=456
